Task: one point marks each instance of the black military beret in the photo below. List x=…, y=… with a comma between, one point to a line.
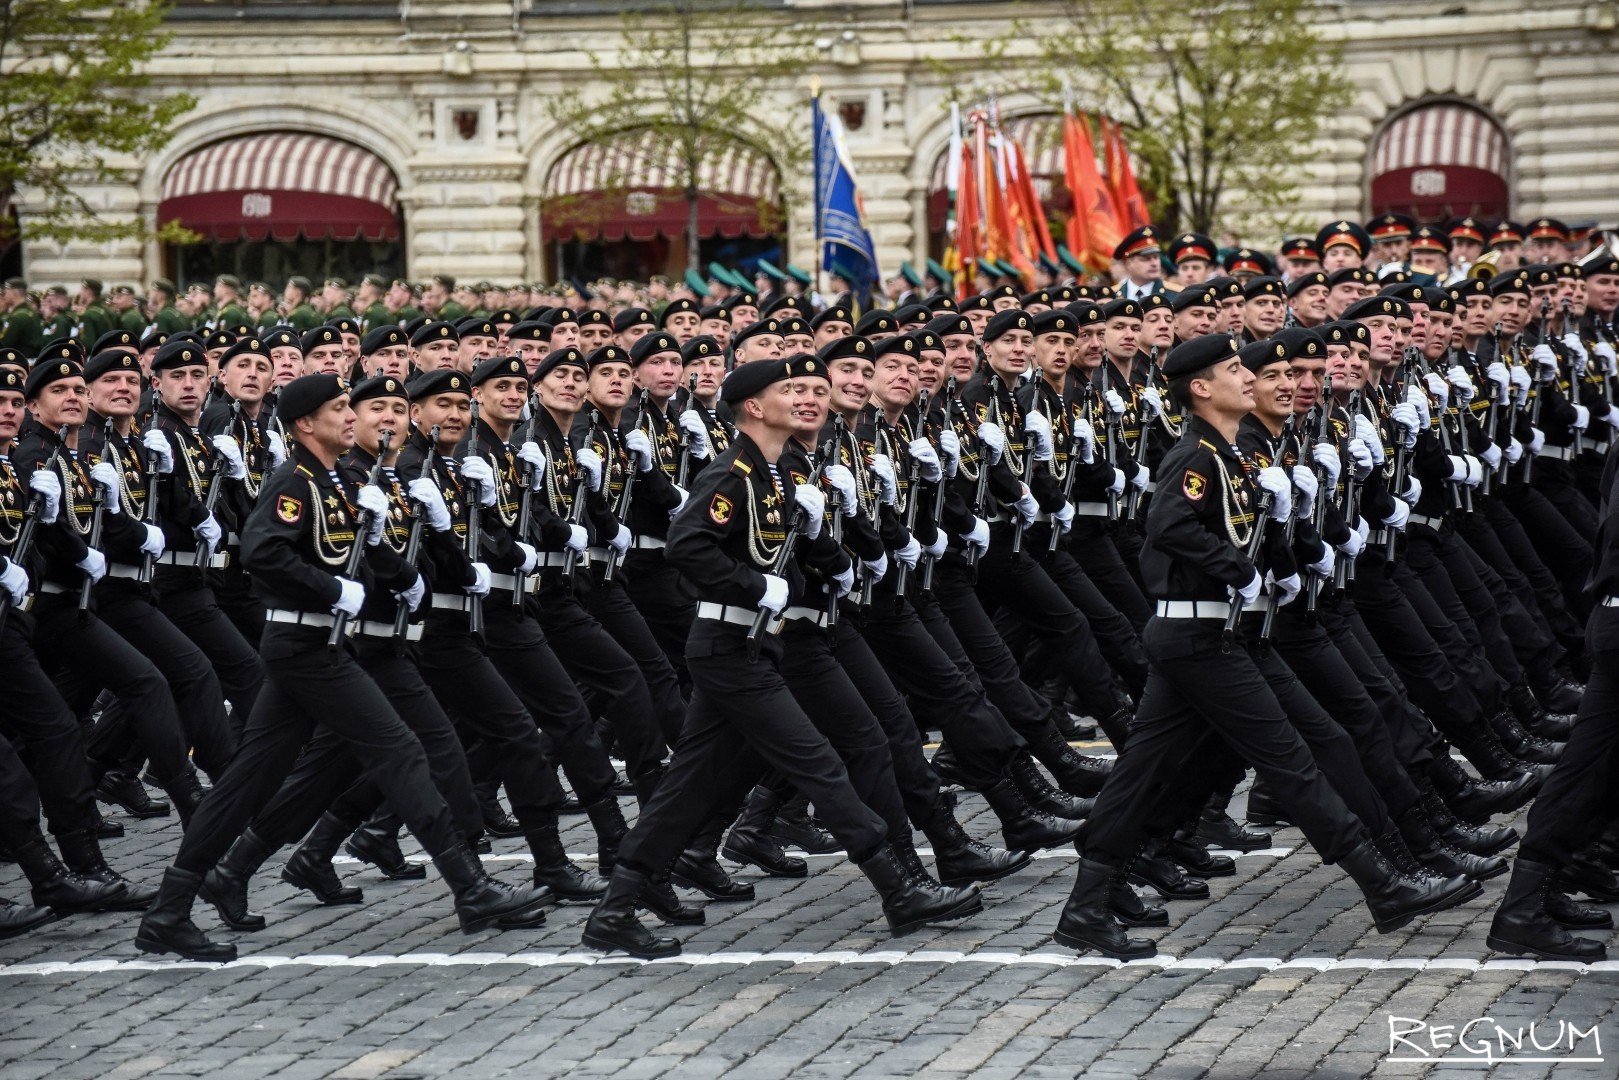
x=319, y=336
x=178, y=354
x=1606, y=265
x=698, y=347
x=607, y=354
x=845, y=347
x=831, y=315
x=219, y=339
x=1004, y=322
x=48, y=372
x=306, y=394
x=1196, y=296
x=1305, y=281
x=1154, y=302
x=11, y=379
x=1262, y=285
x=1513, y=281
x=556, y=359
x=443, y=381
x=762, y=328
x=499, y=367
x=903, y=344
x=1373, y=306
x=1085, y=313
x=345, y=326
x=113, y=339
x=383, y=337
x=106, y=361
x=650, y=345
x=154, y=339
x=1539, y=274
x=1301, y=341
x=873, y=323
x=13, y=358
x=61, y=349
x=783, y=303
x=1344, y=332
x=529, y=330
x=722, y=312
x=978, y=302
x=1121, y=309
x=1261, y=354
x=805, y=366
x=275, y=339
x=1055, y=321
x=912, y=313
x=1198, y=354
x=793, y=324
x=244, y=345
x=380, y=387
x=635, y=316
x=927, y=341
x=675, y=307
x=434, y=331
x=941, y=302
x=951, y=324
x=752, y=379
x=472, y=326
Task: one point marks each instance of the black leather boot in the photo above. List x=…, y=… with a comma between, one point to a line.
x=793, y=827
x=910, y=904
x=1487, y=839
x=658, y=897
x=1264, y=808
x=613, y=925
x=1218, y=829
x=1395, y=899
x=1157, y=872
x=1441, y=857
x=963, y=860
x=1087, y=924
x=1552, y=691
x=1585, y=873
x=100, y=827
x=496, y=822
x=57, y=887
x=1475, y=801
x=225, y=886
x=1041, y=795
x=310, y=865
x=481, y=902
x=608, y=821
x=1540, y=719
x=1074, y=772
x=377, y=842
x=1126, y=905
x=1483, y=748
x=554, y=870
x=1196, y=859
x=185, y=791
x=1520, y=744
x=20, y=918
x=82, y=854
x=751, y=844
x=1522, y=926
x=124, y=790
x=948, y=766
x=167, y=927
x=1022, y=826
x=698, y=868
x=1564, y=911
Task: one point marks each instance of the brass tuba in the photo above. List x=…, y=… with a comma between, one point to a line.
x=1485, y=268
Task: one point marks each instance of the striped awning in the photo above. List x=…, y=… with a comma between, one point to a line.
x=633, y=185
x=1040, y=136
x=1441, y=160
x=283, y=185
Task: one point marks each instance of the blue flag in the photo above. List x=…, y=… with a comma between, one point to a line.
x=840, y=225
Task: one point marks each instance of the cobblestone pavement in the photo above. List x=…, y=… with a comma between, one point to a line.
x=1278, y=974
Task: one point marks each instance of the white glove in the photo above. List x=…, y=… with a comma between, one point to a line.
x=350, y=599
x=1461, y=384
x=1361, y=458
x=928, y=459
x=875, y=569
x=158, y=443
x=415, y=594
x=590, y=463
x=910, y=554
x=94, y=564
x=1152, y=403
x=1249, y=592
x=14, y=579
x=640, y=446
x=276, y=446
x=1545, y=362
x=106, y=475
x=531, y=557
x=1288, y=588
x=993, y=440
x=978, y=535
x=1142, y=478
x=1611, y=417
x=621, y=540
x=154, y=544
x=230, y=454
x=476, y=470
x=1537, y=440
x=1415, y=398
x=682, y=494
x=1328, y=561
x=1084, y=433
x=1119, y=482
x=1413, y=491
x=1366, y=432
x=1275, y=481
x=578, y=538
x=482, y=580
x=776, y=594
x=429, y=503
x=813, y=503
x=209, y=532
x=44, y=483
x=696, y=435
x=940, y=544
x=531, y=455
x=844, y=582
x=950, y=450
x=1408, y=423
x=1114, y=403
x=1514, y=451
x=1607, y=357
x=883, y=469
x=1357, y=539
x=1475, y=472
x=1572, y=342
x=1027, y=506
x=374, y=501
x=1305, y=483
x=1038, y=428
x=1500, y=378
x=1397, y=520
x=842, y=481
x=1326, y=456
x=1582, y=418
x=1520, y=384
x=1064, y=517
x=1438, y=388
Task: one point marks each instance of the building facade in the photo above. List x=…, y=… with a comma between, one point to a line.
x=412, y=137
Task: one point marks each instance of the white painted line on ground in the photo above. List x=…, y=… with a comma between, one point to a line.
x=590, y=856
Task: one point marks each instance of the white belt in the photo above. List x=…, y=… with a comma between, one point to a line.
x=648, y=543
x=372, y=628
x=304, y=618
x=450, y=602
x=217, y=560
x=1432, y=522
x=233, y=540
x=726, y=613
x=558, y=560
x=1559, y=453
x=1193, y=609
x=1090, y=509
x=51, y=588
x=119, y=570
x=803, y=614
x=1152, y=486
x=508, y=582
x=1609, y=601
x=1601, y=447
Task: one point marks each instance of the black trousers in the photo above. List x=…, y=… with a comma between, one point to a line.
x=1555, y=587
x=1116, y=637
x=1092, y=545
x=311, y=686
x=1412, y=734
x=1555, y=480
x=1439, y=560
x=191, y=607
x=233, y=589
x=1526, y=575
x=45, y=733
x=611, y=606
x=1558, y=542
x=743, y=717
x=19, y=799
x=1197, y=697
x=665, y=601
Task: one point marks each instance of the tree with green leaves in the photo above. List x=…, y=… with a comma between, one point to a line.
x=693, y=78
x=1218, y=100
x=73, y=94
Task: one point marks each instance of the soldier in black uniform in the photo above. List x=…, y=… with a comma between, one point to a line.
x=297, y=545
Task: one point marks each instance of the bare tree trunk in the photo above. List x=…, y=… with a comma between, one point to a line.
x=691, y=230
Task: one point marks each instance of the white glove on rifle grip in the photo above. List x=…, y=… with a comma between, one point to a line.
x=776, y=594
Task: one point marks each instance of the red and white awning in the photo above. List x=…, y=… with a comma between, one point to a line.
x=1441, y=160
x=283, y=185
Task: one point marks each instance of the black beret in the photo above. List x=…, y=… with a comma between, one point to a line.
x=11, y=380
x=219, y=339
x=830, y=315
x=761, y=328
x=1004, y=322
x=593, y=317
x=1513, y=281
x=113, y=339
x=178, y=354
x=1198, y=354
x=608, y=354
x=927, y=341
x=1224, y=288
x=443, y=381
x=845, y=347
x=1262, y=285
x=154, y=339
x=13, y=358
x=1121, y=309
x=742, y=299
x=345, y=326
x=1055, y=321
x=873, y=323
x=109, y=360
x=794, y=324
x=472, y=326
x=1345, y=332
x=1304, y=281
x=674, y=308
x=1038, y=296
x=1085, y=313
x=978, y=302
x=1301, y=341
x=1373, y=306
x=61, y=349
x=244, y=345
x=635, y=316
x=379, y=387
x=951, y=324
x=275, y=339
x=319, y=336
x=912, y=313
x=306, y=394
x=434, y=331
x=899, y=343
x=48, y=372
x=752, y=379
x=649, y=345
x=1196, y=296
x=383, y=337
x=715, y=311
x=1154, y=302
x=503, y=317
x=529, y=330
x=499, y=367
x=805, y=366
x=556, y=359
x=1539, y=274
x=1261, y=354
x=698, y=347
x=781, y=303
x=1606, y=265
x=940, y=302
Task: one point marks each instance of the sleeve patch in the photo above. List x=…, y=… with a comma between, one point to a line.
x=1193, y=485
x=289, y=509
x=720, y=509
